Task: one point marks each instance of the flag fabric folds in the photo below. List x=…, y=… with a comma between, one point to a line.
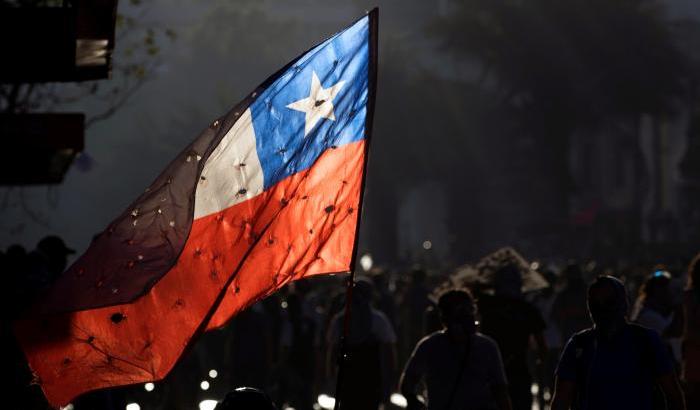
x=267, y=194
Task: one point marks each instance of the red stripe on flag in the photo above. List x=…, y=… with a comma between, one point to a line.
x=303, y=226
x=310, y=239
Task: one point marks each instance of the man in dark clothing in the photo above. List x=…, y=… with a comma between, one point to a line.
x=369, y=352
x=615, y=364
x=511, y=321
x=462, y=368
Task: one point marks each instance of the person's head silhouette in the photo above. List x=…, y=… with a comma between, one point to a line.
x=457, y=312
x=56, y=253
x=363, y=291
x=508, y=281
x=246, y=398
x=607, y=302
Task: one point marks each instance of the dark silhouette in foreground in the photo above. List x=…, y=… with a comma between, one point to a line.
x=370, y=352
x=615, y=364
x=461, y=368
x=512, y=321
x=246, y=398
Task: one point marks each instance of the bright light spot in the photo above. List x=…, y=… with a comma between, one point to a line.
x=284, y=304
x=534, y=389
x=69, y=406
x=398, y=400
x=427, y=245
x=149, y=386
x=207, y=404
x=204, y=385
x=535, y=265
x=547, y=395
x=213, y=373
x=326, y=402
x=289, y=408
x=366, y=262
x=133, y=406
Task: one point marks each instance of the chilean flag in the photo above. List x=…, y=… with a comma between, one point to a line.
x=267, y=194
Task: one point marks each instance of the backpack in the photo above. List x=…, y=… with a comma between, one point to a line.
x=586, y=345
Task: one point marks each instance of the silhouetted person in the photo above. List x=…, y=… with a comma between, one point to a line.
x=371, y=352
x=386, y=301
x=511, y=321
x=691, y=334
x=614, y=364
x=653, y=308
x=249, y=352
x=21, y=393
x=46, y=263
x=246, y=398
x=413, y=306
x=462, y=369
x=56, y=253
x=552, y=336
x=298, y=353
x=569, y=309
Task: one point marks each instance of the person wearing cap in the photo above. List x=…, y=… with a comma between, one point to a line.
x=56, y=253
x=46, y=263
x=615, y=364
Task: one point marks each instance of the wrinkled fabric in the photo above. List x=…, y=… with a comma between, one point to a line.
x=138, y=342
x=162, y=273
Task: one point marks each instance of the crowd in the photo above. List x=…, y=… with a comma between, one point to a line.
x=588, y=338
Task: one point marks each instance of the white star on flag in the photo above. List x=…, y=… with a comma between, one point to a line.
x=319, y=103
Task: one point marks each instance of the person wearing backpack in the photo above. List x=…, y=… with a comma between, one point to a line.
x=615, y=364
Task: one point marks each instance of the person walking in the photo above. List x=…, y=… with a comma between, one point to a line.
x=614, y=364
x=462, y=368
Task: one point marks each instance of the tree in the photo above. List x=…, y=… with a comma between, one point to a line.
x=138, y=43
x=567, y=65
x=138, y=46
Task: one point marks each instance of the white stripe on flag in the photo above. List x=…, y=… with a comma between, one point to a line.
x=232, y=174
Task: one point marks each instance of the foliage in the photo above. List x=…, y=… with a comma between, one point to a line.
x=577, y=62
x=138, y=47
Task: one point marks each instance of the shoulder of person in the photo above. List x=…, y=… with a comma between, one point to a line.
x=644, y=332
x=432, y=339
x=379, y=315
x=583, y=337
x=482, y=341
x=481, y=338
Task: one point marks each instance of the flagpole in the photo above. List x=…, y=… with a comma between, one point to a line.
x=342, y=357
x=369, y=119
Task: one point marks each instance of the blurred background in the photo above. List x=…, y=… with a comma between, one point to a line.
x=565, y=129
x=560, y=127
